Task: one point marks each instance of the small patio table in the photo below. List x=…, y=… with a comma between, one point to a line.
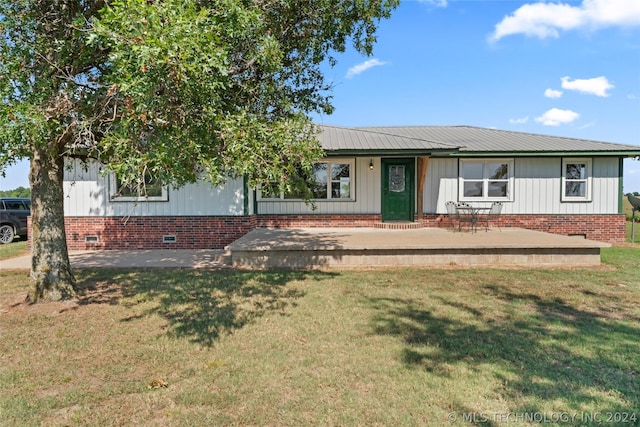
x=474, y=212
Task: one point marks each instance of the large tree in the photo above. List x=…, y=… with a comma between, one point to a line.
x=170, y=90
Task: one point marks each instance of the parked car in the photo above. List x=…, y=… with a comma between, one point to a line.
x=13, y=218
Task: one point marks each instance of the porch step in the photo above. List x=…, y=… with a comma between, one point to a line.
x=398, y=225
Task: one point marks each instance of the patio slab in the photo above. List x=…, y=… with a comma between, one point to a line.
x=369, y=247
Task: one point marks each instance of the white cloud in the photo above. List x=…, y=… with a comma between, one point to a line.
x=552, y=93
x=596, y=86
x=557, y=117
x=588, y=125
x=437, y=3
x=545, y=20
x=519, y=121
x=361, y=68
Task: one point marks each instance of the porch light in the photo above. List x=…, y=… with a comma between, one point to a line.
x=371, y=164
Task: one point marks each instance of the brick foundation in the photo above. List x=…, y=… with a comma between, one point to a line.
x=317, y=220
x=191, y=232
x=215, y=232
x=603, y=228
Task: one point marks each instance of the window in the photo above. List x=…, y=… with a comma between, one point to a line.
x=155, y=191
x=490, y=179
x=396, y=178
x=330, y=180
x=576, y=180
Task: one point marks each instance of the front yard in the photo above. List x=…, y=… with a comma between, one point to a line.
x=394, y=347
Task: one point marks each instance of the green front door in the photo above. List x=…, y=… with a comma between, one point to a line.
x=397, y=189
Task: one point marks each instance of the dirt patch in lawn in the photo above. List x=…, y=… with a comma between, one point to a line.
x=102, y=292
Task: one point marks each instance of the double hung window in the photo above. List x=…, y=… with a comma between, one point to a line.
x=576, y=180
x=486, y=180
x=150, y=190
x=329, y=180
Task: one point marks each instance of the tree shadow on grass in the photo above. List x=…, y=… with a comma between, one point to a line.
x=537, y=349
x=201, y=305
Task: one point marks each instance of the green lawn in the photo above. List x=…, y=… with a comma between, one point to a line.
x=627, y=208
x=14, y=249
x=393, y=347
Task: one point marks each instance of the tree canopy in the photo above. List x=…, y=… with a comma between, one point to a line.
x=175, y=88
x=168, y=89
x=16, y=192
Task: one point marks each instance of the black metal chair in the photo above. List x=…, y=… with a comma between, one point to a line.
x=494, y=213
x=466, y=214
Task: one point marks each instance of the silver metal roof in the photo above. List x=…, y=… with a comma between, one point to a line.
x=460, y=139
x=334, y=138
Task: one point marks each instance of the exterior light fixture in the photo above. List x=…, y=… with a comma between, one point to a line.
x=371, y=164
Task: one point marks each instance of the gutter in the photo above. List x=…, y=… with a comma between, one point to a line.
x=544, y=154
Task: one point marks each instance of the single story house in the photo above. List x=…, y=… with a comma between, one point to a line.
x=374, y=176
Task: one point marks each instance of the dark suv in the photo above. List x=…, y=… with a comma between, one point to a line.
x=13, y=218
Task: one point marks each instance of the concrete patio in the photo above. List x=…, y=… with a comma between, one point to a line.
x=356, y=248
x=370, y=247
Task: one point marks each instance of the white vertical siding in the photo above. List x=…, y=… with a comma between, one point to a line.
x=537, y=187
x=606, y=183
x=441, y=184
x=87, y=193
x=537, y=190
x=367, y=196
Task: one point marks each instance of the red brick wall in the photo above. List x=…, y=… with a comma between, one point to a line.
x=192, y=232
x=317, y=220
x=604, y=228
x=215, y=232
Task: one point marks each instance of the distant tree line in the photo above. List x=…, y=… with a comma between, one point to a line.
x=17, y=192
x=635, y=193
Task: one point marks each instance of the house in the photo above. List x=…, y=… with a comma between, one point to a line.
x=375, y=176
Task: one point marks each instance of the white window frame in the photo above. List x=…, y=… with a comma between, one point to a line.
x=588, y=180
x=352, y=164
x=113, y=185
x=485, y=180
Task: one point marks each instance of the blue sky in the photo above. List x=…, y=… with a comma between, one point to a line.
x=567, y=68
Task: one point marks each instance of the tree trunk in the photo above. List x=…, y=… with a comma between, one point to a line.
x=51, y=276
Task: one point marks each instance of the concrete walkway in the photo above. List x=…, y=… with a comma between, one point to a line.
x=201, y=258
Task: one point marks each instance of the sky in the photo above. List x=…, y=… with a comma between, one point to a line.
x=569, y=68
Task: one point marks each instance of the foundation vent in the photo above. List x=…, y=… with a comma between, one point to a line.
x=169, y=239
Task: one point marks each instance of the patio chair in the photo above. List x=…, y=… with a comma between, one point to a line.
x=452, y=214
x=466, y=214
x=494, y=213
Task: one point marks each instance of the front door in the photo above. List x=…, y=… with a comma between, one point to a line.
x=397, y=189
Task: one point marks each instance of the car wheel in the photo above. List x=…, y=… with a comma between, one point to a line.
x=6, y=234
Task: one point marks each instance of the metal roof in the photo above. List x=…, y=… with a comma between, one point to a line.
x=461, y=140
x=342, y=139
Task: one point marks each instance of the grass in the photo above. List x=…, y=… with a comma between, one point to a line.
x=14, y=249
x=637, y=231
x=393, y=347
x=627, y=209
